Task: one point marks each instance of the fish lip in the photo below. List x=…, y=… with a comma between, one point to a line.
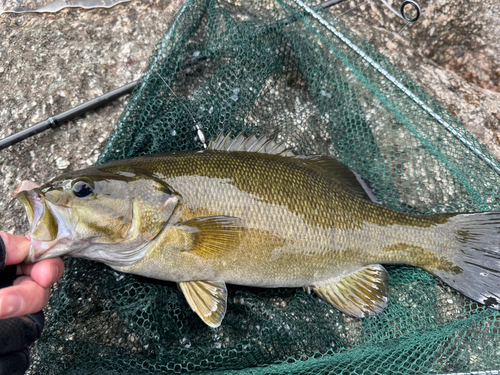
x=34, y=203
x=41, y=250
x=24, y=198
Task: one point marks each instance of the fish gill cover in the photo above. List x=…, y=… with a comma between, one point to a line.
x=270, y=68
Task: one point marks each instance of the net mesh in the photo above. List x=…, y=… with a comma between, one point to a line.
x=269, y=68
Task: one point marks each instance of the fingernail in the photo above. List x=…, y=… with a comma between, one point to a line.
x=56, y=277
x=10, y=305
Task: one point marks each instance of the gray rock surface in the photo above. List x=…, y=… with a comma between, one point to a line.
x=463, y=36
x=452, y=52
x=52, y=62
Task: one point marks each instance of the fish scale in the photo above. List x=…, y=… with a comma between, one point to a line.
x=248, y=212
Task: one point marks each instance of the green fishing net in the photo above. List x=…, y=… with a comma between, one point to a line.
x=300, y=76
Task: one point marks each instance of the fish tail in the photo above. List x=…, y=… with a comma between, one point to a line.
x=473, y=265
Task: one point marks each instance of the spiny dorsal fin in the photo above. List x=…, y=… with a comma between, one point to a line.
x=212, y=236
x=361, y=294
x=208, y=299
x=262, y=145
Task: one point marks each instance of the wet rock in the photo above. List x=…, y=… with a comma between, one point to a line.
x=53, y=62
x=429, y=51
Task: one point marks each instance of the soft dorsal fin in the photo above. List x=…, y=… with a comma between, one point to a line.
x=262, y=145
x=360, y=294
x=350, y=181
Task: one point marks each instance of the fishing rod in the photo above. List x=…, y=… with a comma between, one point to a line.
x=101, y=101
x=57, y=120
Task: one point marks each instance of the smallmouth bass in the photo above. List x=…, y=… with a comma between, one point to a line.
x=248, y=212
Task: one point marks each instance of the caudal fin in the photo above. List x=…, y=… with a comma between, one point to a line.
x=474, y=267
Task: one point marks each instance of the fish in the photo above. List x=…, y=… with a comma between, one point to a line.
x=248, y=211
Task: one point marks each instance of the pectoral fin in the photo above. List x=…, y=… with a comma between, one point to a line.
x=361, y=294
x=208, y=299
x=212, y=236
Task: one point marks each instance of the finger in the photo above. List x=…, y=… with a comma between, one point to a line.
x=25, y=297
x=18, y=247
x=46, y=272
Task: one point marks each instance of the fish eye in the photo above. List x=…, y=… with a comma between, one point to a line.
x=82, y=189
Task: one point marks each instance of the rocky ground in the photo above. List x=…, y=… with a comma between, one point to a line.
x=50, y=63
x=452, y=52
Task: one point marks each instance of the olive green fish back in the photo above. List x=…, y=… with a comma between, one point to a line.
x=268, y=67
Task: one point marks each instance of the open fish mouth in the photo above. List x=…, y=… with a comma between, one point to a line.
x=44, y=224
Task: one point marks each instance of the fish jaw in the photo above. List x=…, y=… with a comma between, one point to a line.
x=41, y=250
x=50, y=235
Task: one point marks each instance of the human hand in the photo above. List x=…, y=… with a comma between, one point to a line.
x=19, y=325
x=31, y=289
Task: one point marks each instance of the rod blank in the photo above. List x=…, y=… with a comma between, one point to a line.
x=57, y=120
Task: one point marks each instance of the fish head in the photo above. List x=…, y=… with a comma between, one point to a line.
x=98, y=215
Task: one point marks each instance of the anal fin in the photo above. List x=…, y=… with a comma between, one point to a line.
x=208, y=299
x=361, y=294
